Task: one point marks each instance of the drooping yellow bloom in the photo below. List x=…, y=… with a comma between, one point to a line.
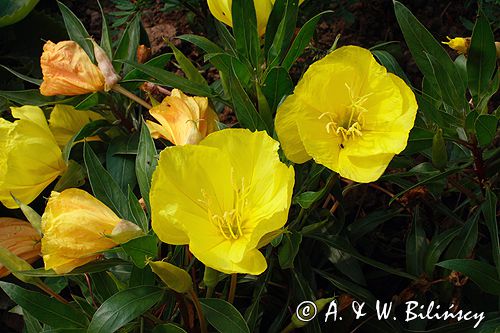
x=182, y=119
x=233, y=193
x=348, y=114
x=459, y=44
x=76, y=227
x=65, y=121
x=30, y=158
x=20, y=238
x=68, y=70
x=221, y=9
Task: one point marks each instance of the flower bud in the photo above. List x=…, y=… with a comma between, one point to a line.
x=174, y=277
x=106, y=67
x=439, y=153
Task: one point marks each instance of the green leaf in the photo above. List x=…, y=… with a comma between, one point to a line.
x=421, y=43
x=76, y=30
x=243, y=107
x=389, y=62
x=105, y=36
x=187, y=66
x=141, y=277
x=14, y=11
x=127, y=46
x=436, y=248
x=145, y=163
x=223, y=316
x=92, y=267
x=169, y=79
x=284, y=33
x=289, y=248
x=367, y=224
x=138, y=215
x=168, y=328
x=415, y=246
x=481, y=58
x=47, y=310
x=121, y=166
x=31, y=215
x=103, y=185
x=301, y=40
x=134, y=78
x=28, y=97
x=484, y=275
x=123, y=307
x=23, y=77
x=277, y=85
x=341, y=244
x=202, y=42
x=103, y=285
x=91, y=129
x=486, y=127
x=245, y=31
x=31, y=324
x=466, y=240
x=74, y=176
x=16, y=265
x=489, y=209
x=141, y=249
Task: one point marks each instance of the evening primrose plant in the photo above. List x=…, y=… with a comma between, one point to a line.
x=146, y=211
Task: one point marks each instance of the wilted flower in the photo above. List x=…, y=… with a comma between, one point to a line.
x=234, y=192
x=20, y=238
x=459, y=44
x=221, y=9
x=65, y=121
x=348, y=114
x=182, y=119
x=76, y=227
x=68, y=70
x=30, y=158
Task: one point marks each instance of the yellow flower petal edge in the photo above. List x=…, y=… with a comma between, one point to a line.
x=30, y=158
x=459, y=44
x=74, y=227
x=65, y=121
x=233, y=194
x=348, y=114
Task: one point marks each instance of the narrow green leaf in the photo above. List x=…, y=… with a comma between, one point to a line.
x=436, y=248
x=92, y=267
x=74, y=176
x=76, y=30
x=187, y=66
x=141, y=277
x=127, y=46
x=168, y=328
x=169, y=79
x=91, y=129
x=123, y=307
x=484, y=275
x=489, y=209
x=245, y=31
x=481, y=58
x=31, y=324
x=27, y=97
x=121, y=166
x=415, y=246
x=301, y=40
x=47, y=310
x=223, y=316
x=226, y=38
x=103, y=185
x=141, y=249
x=145, y=163
x=388, y=61
x=138, y=215
x=466, y=240
x=134, y=78
x=284, y=33
x=289, y=248
x=486, y=128
x=31, y=215
x=23, y=77
x=14, y=11
x=277, y=85
x=105, y=35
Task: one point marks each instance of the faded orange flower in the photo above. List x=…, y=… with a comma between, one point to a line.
x=20, y=238
x=182, y=119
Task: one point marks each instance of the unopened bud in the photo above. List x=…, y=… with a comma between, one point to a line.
x=106, y=67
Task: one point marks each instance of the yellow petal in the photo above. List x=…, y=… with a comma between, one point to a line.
x=65, y=121
x=74, y=226
x=68, y=70
x=30, y=158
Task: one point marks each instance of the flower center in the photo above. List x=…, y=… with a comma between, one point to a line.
x=350, y=126
x=230, y=222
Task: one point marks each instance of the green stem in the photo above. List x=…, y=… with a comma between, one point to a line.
x=232, y=288
x=199, y=311
x=133, y=97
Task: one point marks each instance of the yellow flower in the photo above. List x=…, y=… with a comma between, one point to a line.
x=20, y=238
x=30, y=158
x=222, y=197
x=459, y=44
x=76, y=227
x=182, y=119
x=65, y=121
x=68, y=70
x=348, y=114
x=221, y=9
